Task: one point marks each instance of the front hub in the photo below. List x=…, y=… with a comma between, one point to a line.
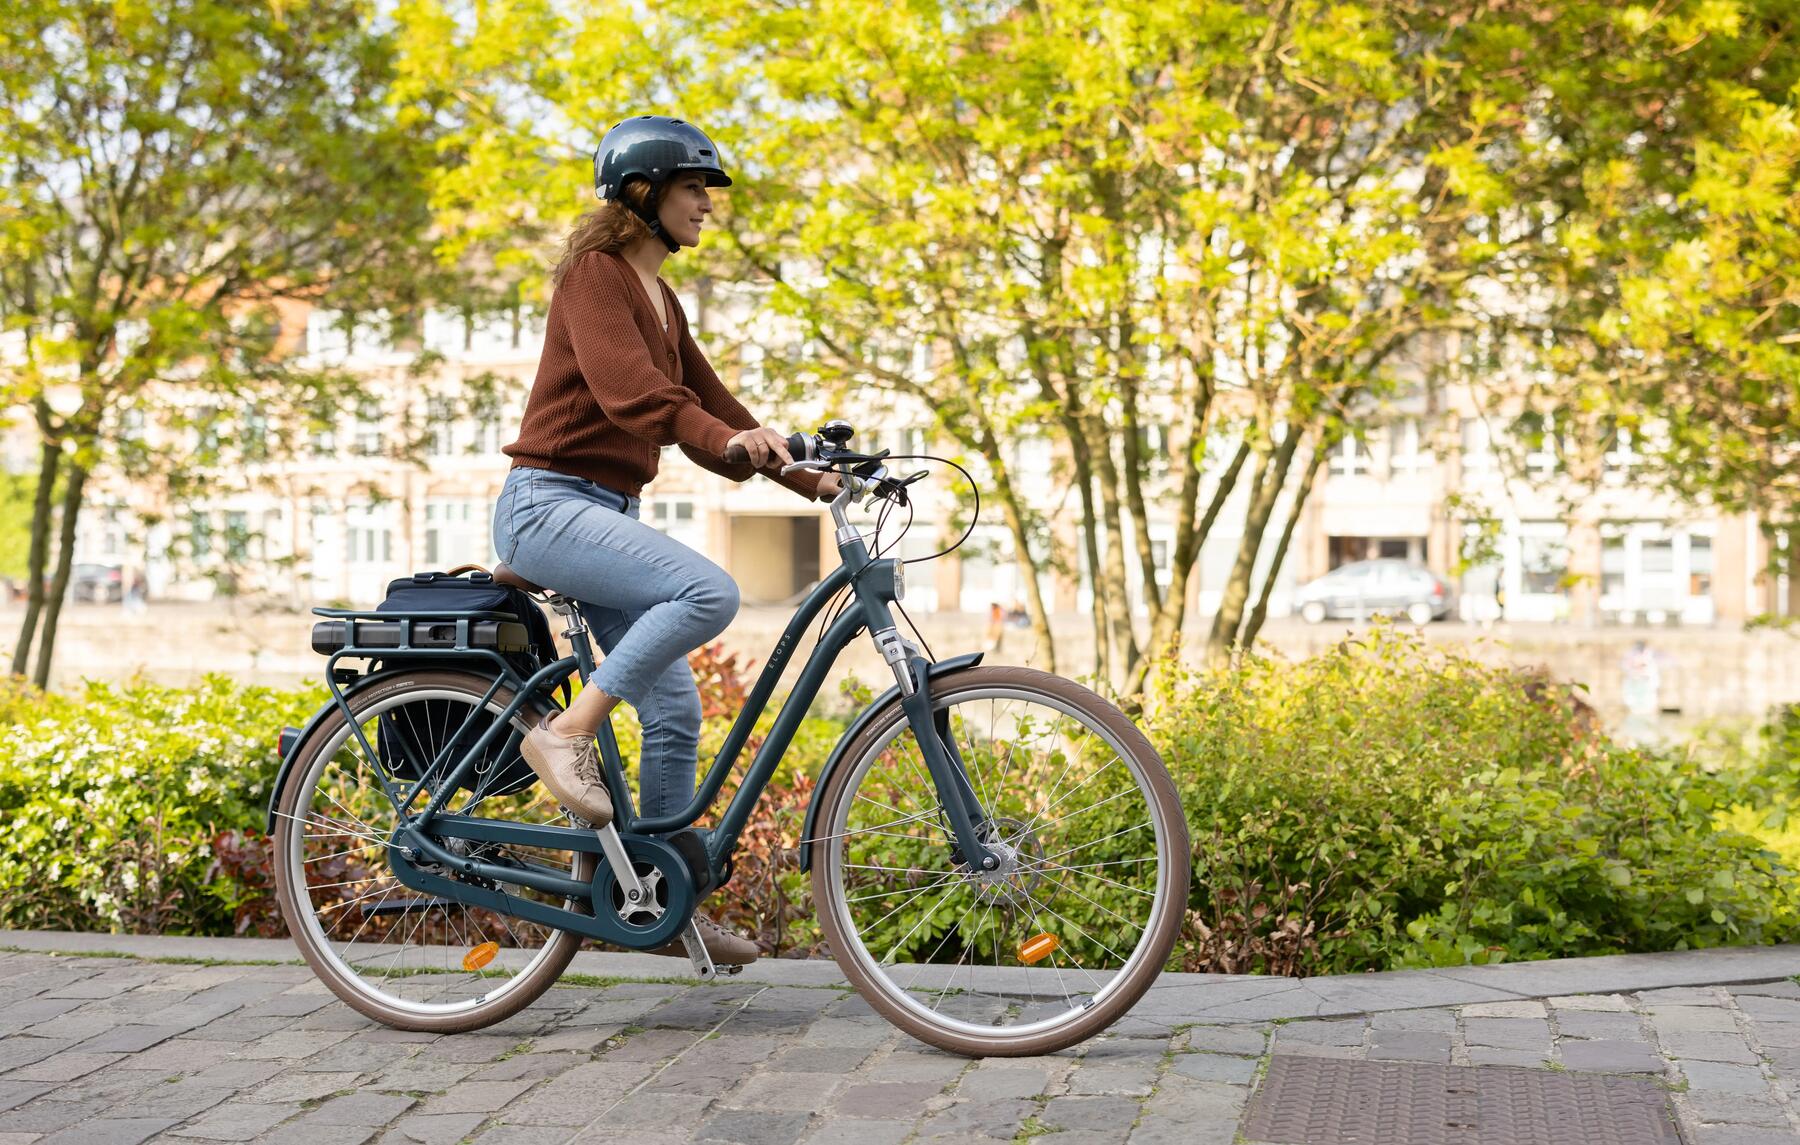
x=1020, y=876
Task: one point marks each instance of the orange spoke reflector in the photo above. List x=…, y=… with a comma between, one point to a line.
x=1037, y=948
x=481, y=956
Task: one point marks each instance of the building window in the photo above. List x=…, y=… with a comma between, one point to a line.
x=237, y=536
x=256, y=433
x=199, y=534
x=1620, y=456
x=370, y=546
x=365, y=436
x=1700, y=566
x=440, y=426
x=1349, y=457
x=1407, y=454
x=1543, y=557
x=1477, y=445
x=456, y=531
x=1543, y=453
x=1612, y=564
x=676, y=518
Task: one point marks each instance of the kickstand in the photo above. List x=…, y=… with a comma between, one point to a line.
x=704, y=967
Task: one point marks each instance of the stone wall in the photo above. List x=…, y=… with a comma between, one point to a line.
x=1706, y=673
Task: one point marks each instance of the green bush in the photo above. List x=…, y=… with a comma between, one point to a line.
x=118, y=800
x=141, y=808
x=1379, y=806
x=1386, y=805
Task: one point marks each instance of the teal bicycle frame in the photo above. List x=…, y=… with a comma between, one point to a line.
x=875, y=583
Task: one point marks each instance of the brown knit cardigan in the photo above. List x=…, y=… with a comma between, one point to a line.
x=613, y=387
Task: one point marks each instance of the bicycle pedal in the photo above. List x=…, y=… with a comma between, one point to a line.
x=704, y=967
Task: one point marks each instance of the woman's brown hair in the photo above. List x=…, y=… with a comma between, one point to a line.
x=609, y=227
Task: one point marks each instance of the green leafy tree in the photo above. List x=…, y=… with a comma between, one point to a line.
x=168, y=174
x=1654, y=256
x=1195, y=244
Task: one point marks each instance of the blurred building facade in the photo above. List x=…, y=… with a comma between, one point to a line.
x=345, y=514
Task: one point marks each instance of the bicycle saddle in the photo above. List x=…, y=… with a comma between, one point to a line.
x=508, y=577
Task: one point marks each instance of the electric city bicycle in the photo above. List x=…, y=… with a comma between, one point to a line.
x=998, y=858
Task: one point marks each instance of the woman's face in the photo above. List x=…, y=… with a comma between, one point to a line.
x=684, y=209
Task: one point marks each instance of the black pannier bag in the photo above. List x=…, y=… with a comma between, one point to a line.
x=412, y=735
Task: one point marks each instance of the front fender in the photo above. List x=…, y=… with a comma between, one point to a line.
x=867, y=716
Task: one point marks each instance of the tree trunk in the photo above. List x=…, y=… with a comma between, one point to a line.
x=1028, y=565
x=42, y=509
x=1261, y=612
x=1118, y=593
x=1135, y=463
x=1090, y=525
x=1166, y=632
x=65, y=559
x=1271, y=475
x=1791, y=606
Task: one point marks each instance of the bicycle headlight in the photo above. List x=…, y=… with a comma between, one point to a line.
x=899, y=580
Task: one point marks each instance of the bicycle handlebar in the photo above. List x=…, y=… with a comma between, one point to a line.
x=831, y=445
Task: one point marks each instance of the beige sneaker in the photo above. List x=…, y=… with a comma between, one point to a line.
x=721, y=944
x=570, y=767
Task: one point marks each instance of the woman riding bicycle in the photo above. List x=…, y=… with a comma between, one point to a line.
x=621, y=376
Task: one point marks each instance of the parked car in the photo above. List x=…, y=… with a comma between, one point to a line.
x=105, y=583
x=1386, y=587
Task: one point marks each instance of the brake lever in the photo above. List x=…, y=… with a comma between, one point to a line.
x=821, y=466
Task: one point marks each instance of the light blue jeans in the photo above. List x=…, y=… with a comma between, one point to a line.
x=647, y=599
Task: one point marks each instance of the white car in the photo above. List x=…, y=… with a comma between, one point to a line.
x=1385, y=587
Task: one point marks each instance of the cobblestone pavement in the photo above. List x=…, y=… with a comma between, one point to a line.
x=126, y=1049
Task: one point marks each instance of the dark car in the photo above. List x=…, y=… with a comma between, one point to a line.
x=104, y=583
x=1385, y=587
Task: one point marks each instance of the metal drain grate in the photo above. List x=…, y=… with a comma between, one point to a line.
x=1329, y=1101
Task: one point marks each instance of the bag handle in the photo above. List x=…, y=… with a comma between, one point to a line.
x=461, y=569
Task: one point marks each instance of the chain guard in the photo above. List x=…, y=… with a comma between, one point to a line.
x=665, y=874
x=675, y=896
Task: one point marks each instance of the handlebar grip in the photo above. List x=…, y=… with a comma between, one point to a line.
x=799, y=448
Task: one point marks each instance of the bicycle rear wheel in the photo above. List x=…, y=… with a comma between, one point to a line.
x=1080, y=918
x=411, y=960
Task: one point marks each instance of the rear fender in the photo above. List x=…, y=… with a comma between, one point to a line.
x=291, y=740
x=863, y=720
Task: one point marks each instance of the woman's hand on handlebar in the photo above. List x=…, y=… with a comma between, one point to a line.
x=759, y=447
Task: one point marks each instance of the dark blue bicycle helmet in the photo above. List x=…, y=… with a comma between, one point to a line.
x=657, y=148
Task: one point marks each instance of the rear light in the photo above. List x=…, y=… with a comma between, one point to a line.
x=1437, y=588
x=284, y=743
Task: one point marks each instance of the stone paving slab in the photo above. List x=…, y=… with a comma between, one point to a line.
x=132, y=1048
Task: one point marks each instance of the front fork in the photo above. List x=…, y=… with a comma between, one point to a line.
x=943, y=758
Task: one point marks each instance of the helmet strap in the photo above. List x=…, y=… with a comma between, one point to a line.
x=655, y=224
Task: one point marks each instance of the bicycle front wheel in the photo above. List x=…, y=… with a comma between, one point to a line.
x=1068, y=933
